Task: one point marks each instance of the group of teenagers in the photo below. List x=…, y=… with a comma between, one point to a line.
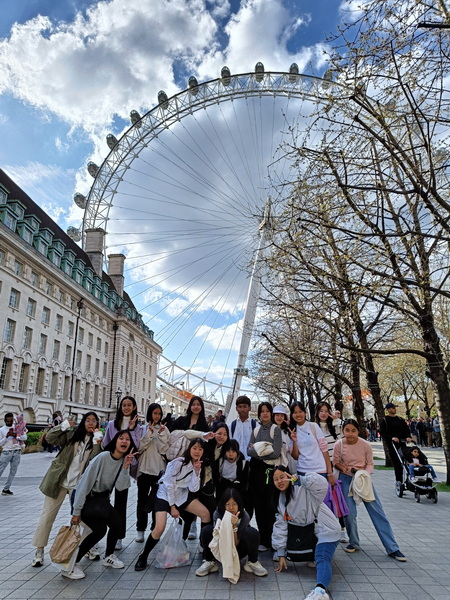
x=278, y=469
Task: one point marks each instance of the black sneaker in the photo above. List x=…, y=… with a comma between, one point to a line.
x=398, y=556
x=351, y=548
x=7, y=493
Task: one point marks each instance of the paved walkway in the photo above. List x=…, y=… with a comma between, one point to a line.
x=422, y=530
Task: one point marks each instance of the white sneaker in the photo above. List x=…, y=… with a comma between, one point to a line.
x=208, y=566
x=256, y=568
x=113, y=561
x=192, y=535
x=93, y=553
x=317, y=594
x=140, y=537
x=262, y=548
x=118, y=545
x=344, y=538
x=77, y=573
x=38, y=559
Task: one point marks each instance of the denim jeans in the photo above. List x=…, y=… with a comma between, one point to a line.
x=11, y=458
x=376, y=514
x=323, y=556
x=429, y=467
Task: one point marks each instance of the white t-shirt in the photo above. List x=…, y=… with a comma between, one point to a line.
x=242, y=434
x=310, y=458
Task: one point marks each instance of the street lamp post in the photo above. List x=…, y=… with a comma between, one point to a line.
x=118, y=397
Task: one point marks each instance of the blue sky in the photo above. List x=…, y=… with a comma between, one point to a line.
x=73, y=70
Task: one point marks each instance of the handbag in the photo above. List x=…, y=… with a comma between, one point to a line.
x=301, y=542
x=65, y=543
x=96, y=506
x=173, y=550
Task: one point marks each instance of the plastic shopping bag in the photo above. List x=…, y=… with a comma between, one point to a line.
x=173, y=550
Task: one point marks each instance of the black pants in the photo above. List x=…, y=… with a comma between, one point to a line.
x=207, y=497
x=112, y=522
x=262, y=492
x=248, y=544
x=120, y=504
x=147, y=489
x=398, y=465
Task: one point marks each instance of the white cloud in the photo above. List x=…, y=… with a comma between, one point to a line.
x=225, y=338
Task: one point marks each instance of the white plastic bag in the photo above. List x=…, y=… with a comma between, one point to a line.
x=173, y=550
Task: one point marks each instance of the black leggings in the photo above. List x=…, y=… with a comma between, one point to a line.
x=262, y=492
x=147, y=489
x=99, y=527
x=248, y=544
x=120, y=504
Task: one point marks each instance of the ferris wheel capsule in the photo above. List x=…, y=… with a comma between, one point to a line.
x=293, y=72
x=74, y=233
x=80, y=200
x=327, y=78
x=225, y=74
x=163, y=100
x=92, y=168
x=135, y=118
x=193, y=85
x=259, y=72
x=111, y=140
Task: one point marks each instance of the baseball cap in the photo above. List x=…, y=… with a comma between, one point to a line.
x=390, y=405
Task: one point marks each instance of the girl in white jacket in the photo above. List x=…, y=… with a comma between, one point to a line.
x=176, y=492
x=301, y=503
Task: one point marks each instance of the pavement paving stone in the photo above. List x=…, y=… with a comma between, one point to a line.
x=365, y=575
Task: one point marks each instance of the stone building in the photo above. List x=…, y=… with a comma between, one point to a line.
x=71, y=338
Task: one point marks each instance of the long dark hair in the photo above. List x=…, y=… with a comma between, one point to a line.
x=80, y=432
x=111, y=446
x=230, y=493
x=288, y=492
x=269, y=408
x=353, y=422
x=302, y=407
x=149, y=416
x=119, y=415
x=201, y=419
x=231, y=444
x=186, y=456
x=329, y=421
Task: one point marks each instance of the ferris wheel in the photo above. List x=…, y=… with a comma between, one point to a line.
x=185, y=193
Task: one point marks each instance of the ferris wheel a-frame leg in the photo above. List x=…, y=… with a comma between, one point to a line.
x=249, y=316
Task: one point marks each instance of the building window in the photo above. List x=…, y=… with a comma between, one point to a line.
x=54, y=385
x=48, y=288
x=5, y=373
x=105, y=370
x=45, y=316
x=61, y=297
x=145, y=368
x=77, y=390
x=66, y=387
x=97, y=367
x=96, y=395
x=98, y=346
x=87, y=393
x=39, y=387
x=34, y=279
x=143, y=384
x=68, y=355
x=18, y=268
x=42, y=344
x=9, y=330
x=27, y=337
x=90, y=340
x=88, y=362
x=59, y=323
x=78, y=359
x=80, y=335
x=106, y=348
x=56, y=349
x=14, y=298
x=31, y=307
x=70, y=328
x=23, y=377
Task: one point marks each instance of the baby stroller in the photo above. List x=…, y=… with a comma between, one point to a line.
x=421, y=485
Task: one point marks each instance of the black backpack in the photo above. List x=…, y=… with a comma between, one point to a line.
x=301, y=542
